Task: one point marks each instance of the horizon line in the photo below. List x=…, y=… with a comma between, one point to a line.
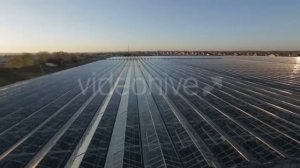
x=244, y=50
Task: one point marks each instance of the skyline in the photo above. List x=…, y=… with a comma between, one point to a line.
x=94, y=26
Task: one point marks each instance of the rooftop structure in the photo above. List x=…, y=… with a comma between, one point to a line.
x=156, y=112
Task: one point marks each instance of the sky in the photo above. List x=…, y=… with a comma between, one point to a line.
x=113, y=25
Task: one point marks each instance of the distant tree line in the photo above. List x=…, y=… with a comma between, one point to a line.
x=59, y=59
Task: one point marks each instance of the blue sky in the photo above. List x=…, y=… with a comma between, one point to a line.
x=112, y=25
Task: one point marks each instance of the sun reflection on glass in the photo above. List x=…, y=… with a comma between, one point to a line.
x=297, y=60
x=296, y=67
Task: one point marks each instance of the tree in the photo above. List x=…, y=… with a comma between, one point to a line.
x=20, y=61
x=43, y=57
